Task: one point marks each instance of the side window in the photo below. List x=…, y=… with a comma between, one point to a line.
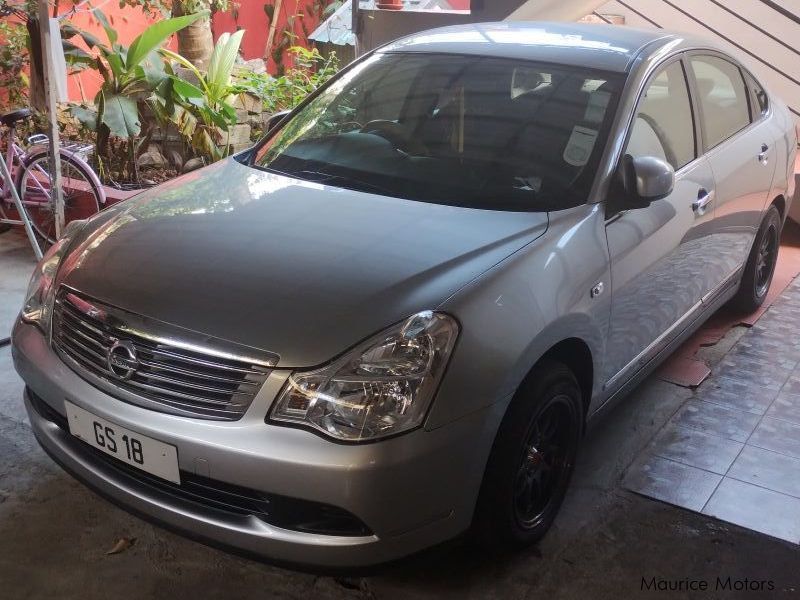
x=663, y=126
x=758, y=97
x=723, y=97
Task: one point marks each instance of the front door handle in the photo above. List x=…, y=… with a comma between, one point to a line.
x=703, y=202
x=763, y=156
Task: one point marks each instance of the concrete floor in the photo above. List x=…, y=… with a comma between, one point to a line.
x=16, y=264
x=54, y=533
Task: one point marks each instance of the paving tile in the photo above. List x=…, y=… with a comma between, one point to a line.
x=781, y=351
x=792, y=385
x=778, y=436
x=754, y=507
x=717, y=420
x=749, y=368
x=684, y=371
x=697, y=449
x=786, y=407
x=672, y=482
x=768, y=329
x=750, y=396
x=767, y=469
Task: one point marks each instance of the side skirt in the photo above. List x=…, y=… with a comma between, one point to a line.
x=713, y=305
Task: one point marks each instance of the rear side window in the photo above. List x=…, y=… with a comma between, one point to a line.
x=758, y=97
x=663, y=126
x=723, y=97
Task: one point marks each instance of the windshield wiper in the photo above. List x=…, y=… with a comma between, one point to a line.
x=344, y=180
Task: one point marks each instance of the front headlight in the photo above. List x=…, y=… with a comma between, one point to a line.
x=39, y=298
x=380, y=388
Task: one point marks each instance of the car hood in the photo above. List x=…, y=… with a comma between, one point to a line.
x=296, y=268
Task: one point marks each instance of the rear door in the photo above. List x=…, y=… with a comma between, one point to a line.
x=739, y=146
x=659, y=254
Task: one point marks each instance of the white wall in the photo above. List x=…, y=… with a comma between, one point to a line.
x=554, y=10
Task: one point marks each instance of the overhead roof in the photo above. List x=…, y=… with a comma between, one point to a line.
x=596, y=46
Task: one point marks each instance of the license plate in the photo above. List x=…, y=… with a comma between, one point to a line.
x=133, y=448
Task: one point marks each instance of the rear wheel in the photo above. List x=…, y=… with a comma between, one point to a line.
x=532, y=459
x=81, y=196
x=760, y=267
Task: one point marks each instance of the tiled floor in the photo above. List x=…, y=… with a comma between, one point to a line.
x=733, y=450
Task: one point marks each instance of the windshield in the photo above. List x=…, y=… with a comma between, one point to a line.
x=452, y=129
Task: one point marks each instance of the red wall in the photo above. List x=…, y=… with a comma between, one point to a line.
x=129, y=22
x=250, y=16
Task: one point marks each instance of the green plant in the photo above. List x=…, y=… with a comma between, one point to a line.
x=129, y=75
x=202, y=113
x=310, y=70
x=14, y=59
x=163, y=8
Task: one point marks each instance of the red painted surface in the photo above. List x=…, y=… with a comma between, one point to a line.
x=129, y=23
x=249, y=16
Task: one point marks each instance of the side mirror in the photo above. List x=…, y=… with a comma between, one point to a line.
x=276, y=118
x=645, y=179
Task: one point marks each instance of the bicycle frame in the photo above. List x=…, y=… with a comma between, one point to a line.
x=15, y=154
x=6, y=176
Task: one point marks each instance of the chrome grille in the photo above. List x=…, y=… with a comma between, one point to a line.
x=172, y=376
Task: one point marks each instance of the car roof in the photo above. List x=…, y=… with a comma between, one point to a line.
x=606, y=47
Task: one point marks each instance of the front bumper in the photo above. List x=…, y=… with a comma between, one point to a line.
x=411, y=492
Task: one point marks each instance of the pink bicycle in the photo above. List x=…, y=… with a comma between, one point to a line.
x=83, y=193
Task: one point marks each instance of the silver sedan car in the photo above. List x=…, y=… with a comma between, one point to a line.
x=391, y=321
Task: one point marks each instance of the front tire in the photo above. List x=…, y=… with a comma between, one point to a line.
x=760, y=266
x=532, y=459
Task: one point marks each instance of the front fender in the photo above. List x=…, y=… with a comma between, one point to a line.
x=515, y=312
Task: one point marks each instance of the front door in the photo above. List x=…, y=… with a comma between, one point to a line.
x=659, y=253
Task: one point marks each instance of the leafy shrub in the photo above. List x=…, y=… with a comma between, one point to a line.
x=13, y=60
x=129, y=75
x=309, y=71
x=202, y=113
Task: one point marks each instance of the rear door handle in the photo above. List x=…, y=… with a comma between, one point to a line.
x=763, y=157
x=703, y=202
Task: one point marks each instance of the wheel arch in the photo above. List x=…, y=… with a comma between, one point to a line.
x=779, y=202
x=577, y=356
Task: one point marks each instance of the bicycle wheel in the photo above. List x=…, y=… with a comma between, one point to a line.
x=81, y=196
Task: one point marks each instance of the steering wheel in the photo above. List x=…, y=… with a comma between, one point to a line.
x=396, y=134
x=669, y=154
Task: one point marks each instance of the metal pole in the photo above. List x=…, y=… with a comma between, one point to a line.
x=50, y=93
x=9, y=185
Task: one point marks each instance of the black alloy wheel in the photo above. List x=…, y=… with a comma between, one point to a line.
x=532, y=459
x=760, y=266
x=546, y=462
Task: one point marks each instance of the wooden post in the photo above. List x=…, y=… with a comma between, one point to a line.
x=272, y=27
x=56, y=191
x=355, y=8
